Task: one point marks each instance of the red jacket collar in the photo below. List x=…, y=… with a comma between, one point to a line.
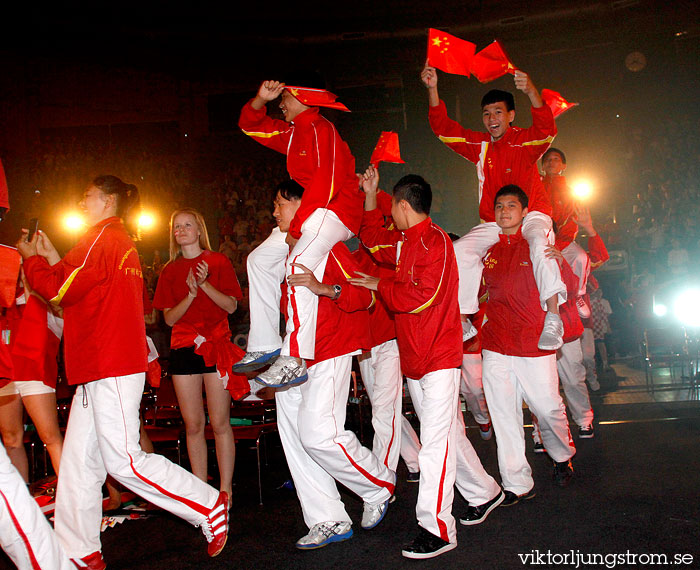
x=113, y=220
x=516, y=237
x=306, y=117
x=418, y=230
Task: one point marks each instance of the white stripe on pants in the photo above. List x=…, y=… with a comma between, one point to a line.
x=572, y=374
x=381, y=375
x=508, y=380
x=472, y=388
x=320, y=451
x=471, y=248
x=25, y=534
x=266, y=270
x=319, y=233
x=103, y=438
x=446, y=456
x=580, y=263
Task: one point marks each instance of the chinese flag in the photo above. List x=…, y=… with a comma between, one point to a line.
x=449, y=53
x=387, y=149
x=556, y=102
x=9, y=271
x=316, y=97
x=491, y=63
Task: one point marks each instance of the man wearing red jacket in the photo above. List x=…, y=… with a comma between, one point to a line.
x=504, y=155
x=330, y=212
x=422, y=294
x=311, y=416
x=514, y=367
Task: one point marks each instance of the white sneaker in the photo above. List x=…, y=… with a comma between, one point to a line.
x=584, y=311
x=255, y=359
x=372, y=515
x=552, y=333
x=594, y=384
x=468, y=330
x=322, y=534
x=286, y=371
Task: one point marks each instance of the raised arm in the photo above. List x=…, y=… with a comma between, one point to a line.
x=429, y=78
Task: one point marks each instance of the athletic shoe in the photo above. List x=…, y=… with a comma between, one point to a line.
x=427, y=545
x=563, y=472
x=468, y=330
x=322, y=534
x=255, y=359
x=539, y=448
x=413, y=477
x=485, y=430
x=552, y=337
x=215, y=526
x=286, y=371
x=93, y=561
x=584, y=311
x=594, y=384
x=586, y=432
x=511, y=498
x=372, y=515
x=476, y=515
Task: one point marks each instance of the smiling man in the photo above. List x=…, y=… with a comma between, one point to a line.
x=504, y=155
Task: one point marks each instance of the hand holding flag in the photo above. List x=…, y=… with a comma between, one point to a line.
x=449, y=53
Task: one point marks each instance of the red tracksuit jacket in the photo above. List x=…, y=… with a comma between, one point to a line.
x=100, y=287
x=422, y=294
x=510, y=160
x=317, y=158
x=560, y=198
x=513, y=310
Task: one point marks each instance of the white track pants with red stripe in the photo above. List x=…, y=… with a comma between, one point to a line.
x=25, y=534
x=383, y=380
x=446, y=457
x=472, y=388
x=103, y=438
x=580, y=263
x=572, y=374
x=320, y=451
x=508, y=380
x=319, y=233
x=471, y=248
x=266, y=270
x=410, y=445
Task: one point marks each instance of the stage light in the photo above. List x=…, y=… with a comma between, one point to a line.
x=146, y=221
x=660, y=310
x=73, y=222
x=686, y=307
x=582, y=190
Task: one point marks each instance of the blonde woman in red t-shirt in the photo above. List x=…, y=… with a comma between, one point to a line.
x=197, y=290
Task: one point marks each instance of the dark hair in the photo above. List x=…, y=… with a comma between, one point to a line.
x=416, y=191
x=496, y=96
x=289, y=190
x=512, y=190
x=127, y=195
x=550, y=150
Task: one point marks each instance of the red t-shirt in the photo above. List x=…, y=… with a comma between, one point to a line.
x=203, y=314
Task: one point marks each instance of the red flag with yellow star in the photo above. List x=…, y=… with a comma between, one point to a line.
x=316, y=97
x=556, y=102
x=491, y=63
x=449, y=53
x=386, y=149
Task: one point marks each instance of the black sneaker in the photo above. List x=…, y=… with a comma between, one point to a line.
x=563, y=472
x=476, y=515
x=427, y=545
x=586, y=432
x=539, y=448
x=511, y=498
x=413, y=477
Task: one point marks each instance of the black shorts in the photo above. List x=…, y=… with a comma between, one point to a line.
x=185, y=361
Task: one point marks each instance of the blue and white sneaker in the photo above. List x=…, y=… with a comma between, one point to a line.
x=286, y=371
x=372, y=515
x=255, y=359
x=322, y=534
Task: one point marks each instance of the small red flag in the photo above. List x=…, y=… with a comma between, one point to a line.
x=449, y=53
x=556, y=102
x=387, y=149
x=316, y=97
x=9, y=271
x=491, y=63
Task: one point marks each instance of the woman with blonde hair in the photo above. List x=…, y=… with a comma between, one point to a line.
x=197, y=290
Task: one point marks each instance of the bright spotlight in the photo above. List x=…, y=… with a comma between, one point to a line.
x=146, y=221
x=73, y=222
x=660, y=310
x=582, y=190
x=686, y=307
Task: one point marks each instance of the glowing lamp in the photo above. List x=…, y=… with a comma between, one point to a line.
x=146, y=221
x=582, y=190
x=73, y=222
x=660, y=310
x=686, y=307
